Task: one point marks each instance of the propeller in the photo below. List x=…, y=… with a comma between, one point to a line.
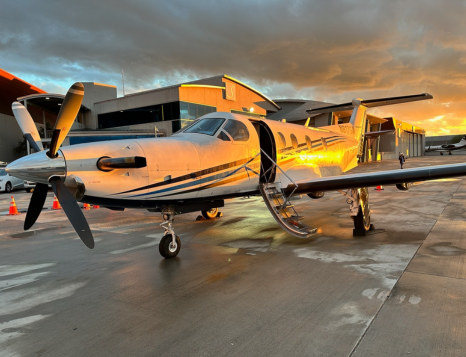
x=65, y=119
x=36, y=204
x=68, y=111
x=27, y=125
x=72, y=211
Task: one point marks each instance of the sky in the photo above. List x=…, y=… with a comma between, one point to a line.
x=329, y=50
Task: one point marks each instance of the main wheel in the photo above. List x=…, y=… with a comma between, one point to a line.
x=212, y=213
x=441, y=153
x=166, y=249
x=449, y=153
x=8, y=187
x=363, y=220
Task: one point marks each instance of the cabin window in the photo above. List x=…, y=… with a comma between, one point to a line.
x=223, y=136
x=237, y=130
x=308, y=142
x=207, y=126
x=281, y=141
x=294, y=141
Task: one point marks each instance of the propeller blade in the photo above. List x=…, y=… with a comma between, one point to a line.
x=72, y=211
x=27, y=126
x=36, y=204
x=68, y=112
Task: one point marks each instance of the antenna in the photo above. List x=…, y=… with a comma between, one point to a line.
x=123, y=79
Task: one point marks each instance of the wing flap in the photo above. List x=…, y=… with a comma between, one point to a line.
x=379, y=178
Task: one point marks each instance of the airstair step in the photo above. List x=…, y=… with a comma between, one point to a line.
x=296, y=218
x=276, y=195
x=284, y=208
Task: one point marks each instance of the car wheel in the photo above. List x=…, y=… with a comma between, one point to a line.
x=8, y=187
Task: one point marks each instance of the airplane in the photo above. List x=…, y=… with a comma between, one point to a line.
x=448, y=147
x=219, y=156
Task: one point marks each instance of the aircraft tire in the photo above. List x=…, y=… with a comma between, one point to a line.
x=441, y=153
x=209, y=214
x=165, y=248
x=449, y=153
x=363, y=220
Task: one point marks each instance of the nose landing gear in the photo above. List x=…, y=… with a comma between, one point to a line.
x=170, y=245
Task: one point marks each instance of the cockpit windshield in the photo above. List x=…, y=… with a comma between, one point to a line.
x=208, y=126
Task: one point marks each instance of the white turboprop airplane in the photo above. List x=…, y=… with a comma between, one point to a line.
x=219, y=156
x=448, y=147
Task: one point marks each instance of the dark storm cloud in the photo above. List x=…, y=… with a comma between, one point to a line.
x=332, y=50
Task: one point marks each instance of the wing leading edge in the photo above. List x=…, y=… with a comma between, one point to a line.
x=372, y=179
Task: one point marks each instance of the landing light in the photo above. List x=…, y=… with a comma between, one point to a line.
x=47, y=98
x=251, y=110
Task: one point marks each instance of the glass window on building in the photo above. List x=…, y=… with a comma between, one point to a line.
x=142, y=115
x=237, y=130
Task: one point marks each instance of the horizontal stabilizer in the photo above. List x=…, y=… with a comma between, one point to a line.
x=370, y=103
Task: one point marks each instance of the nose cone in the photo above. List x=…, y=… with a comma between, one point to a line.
x=38, y=167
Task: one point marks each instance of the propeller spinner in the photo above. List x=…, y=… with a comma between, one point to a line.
x=50, y=167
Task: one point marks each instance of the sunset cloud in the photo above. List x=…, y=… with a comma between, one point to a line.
x=323, y=50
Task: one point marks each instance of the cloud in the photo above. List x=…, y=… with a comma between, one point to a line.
x=331, y=50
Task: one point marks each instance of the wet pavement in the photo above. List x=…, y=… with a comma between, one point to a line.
x=240, y=285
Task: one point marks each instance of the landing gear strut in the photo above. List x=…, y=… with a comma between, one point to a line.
x=360, y=212
x=170, y=245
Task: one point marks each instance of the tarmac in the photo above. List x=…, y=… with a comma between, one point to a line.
x=241, y=286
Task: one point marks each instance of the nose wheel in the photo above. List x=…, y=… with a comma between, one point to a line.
x=170, y=245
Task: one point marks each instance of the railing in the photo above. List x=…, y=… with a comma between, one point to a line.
x=274, y=164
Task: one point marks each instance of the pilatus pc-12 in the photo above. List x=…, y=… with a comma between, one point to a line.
x=219, y=156
x=448, y=147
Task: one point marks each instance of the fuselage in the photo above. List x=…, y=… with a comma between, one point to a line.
x=190, y=166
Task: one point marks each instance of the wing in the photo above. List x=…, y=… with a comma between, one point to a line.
x=378, y=178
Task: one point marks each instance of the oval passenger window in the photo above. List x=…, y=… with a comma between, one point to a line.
x=308, y=142
x=281, y=140
x=237, y=130
x=294, y=141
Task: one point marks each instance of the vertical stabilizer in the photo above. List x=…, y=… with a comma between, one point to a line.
x=358, y=120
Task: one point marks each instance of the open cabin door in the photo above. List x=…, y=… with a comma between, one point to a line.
x=267, y=144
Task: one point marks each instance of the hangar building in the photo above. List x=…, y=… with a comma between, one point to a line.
x=163, y=111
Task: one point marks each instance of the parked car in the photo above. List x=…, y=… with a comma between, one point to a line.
x=29, y=185
x=8, y=183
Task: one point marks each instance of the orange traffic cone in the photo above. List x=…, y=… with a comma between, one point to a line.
x=56, y=204
x=86, y=206
x=13, y=210
x=95, y=206
x=379, y=188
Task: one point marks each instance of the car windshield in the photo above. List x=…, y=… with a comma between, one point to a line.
x=3, y=172
x=208, y=126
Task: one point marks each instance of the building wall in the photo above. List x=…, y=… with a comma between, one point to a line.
x=244, y=97
x=10, y=134
x=95, y=92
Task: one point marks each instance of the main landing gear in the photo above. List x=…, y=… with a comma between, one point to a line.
x=211, y=213
x=360, y=212
x=170, y=245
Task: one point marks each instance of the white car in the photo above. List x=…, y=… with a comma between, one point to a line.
x=30, y=185
x=9, y=183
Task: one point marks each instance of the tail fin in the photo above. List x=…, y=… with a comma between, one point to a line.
x=358, y=120
x=359, y=107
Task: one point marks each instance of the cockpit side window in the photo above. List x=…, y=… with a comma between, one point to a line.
x=207, y=126
x=237, y=130
x=223, y=136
